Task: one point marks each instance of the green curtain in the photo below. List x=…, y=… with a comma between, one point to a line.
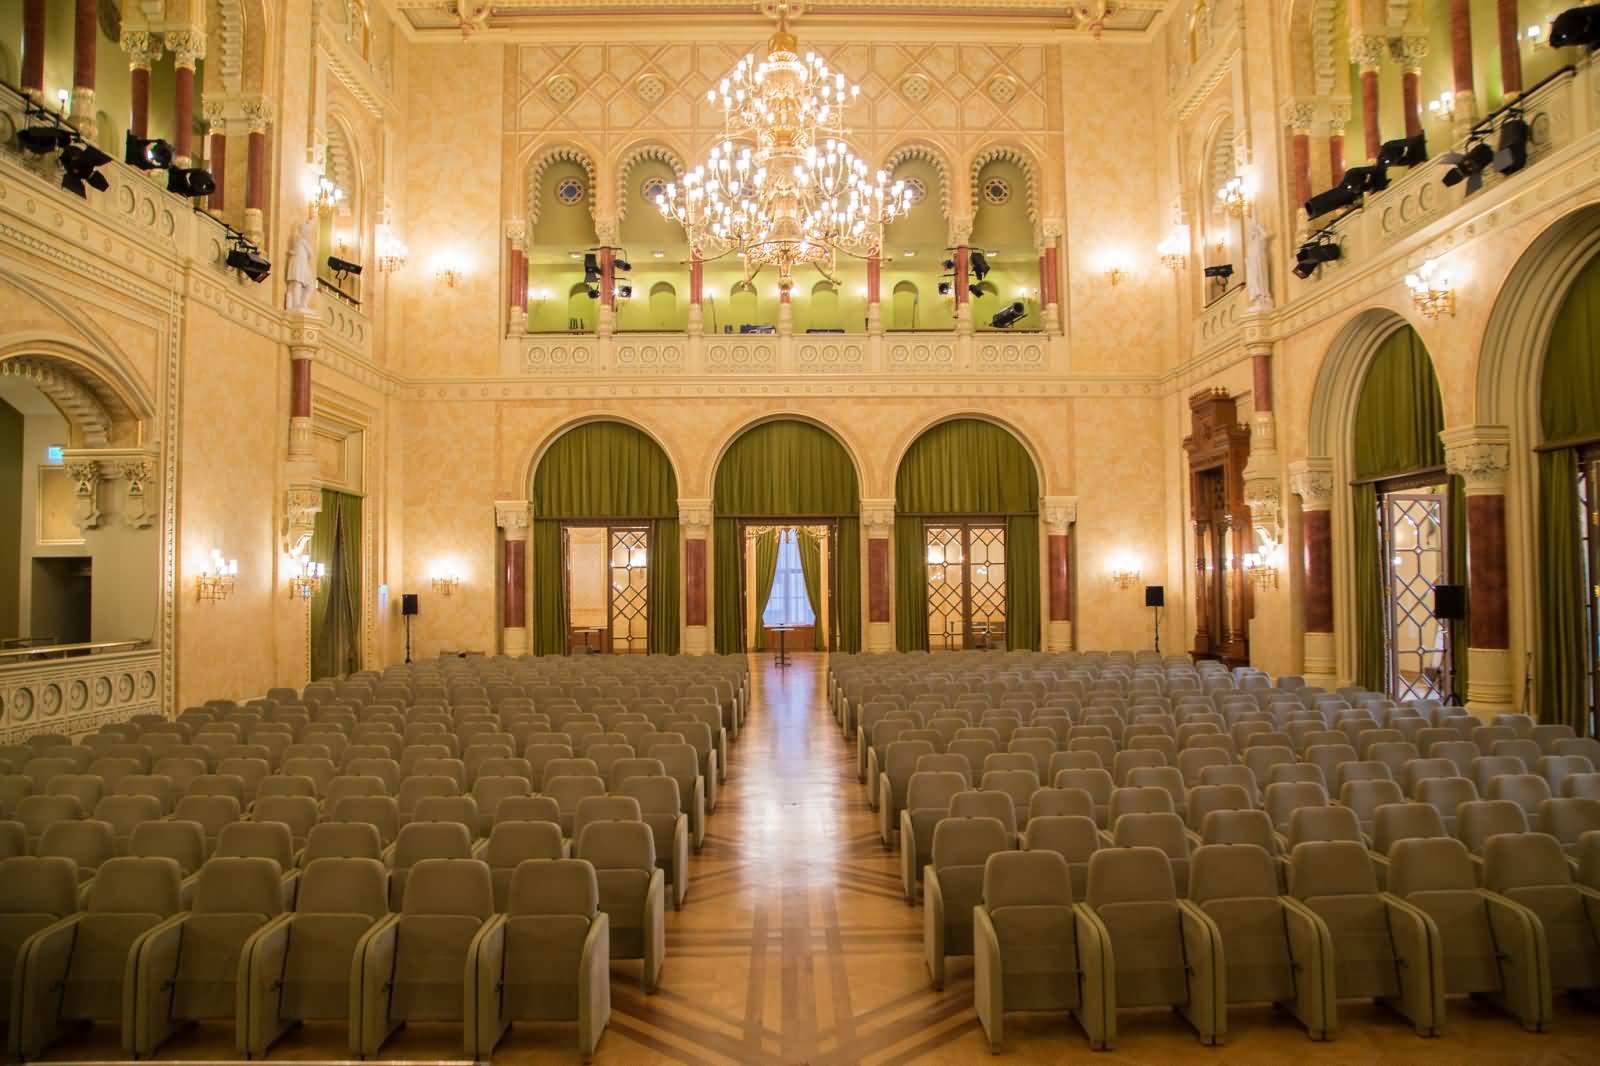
x=785, y=470
x=810, y=549
x=766, y=569
x=604, y=470
x=336, y=605
x=1399, y=415
x=967, y=467
x=1569, y=409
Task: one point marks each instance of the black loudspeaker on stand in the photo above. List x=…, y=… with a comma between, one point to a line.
x=1155, y=598
x=1450, y=605
x=408, y=611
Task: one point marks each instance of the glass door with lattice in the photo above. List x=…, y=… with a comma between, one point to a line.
x=607, y=602
x=1415, y=564
x=966, y=573
x=630, y=590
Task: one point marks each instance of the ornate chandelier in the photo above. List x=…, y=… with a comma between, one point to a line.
x=783, y=188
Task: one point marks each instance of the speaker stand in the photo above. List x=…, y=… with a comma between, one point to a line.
x=1155, y=626
x=408, y=639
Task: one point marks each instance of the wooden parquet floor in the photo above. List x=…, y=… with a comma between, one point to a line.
x=796, y=947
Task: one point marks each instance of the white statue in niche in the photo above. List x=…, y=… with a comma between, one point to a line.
x=300, y=279
x=1256, y=278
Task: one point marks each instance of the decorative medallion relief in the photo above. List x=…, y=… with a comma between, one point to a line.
x=737, y=358
x=1002, y=90
x=558, y=358
x=829, y=358
x=74, y=696
x=919, y=356
x=647, y=358
x=1010, y=356
x=562, y=89
x=916, y=88
x=650, y=87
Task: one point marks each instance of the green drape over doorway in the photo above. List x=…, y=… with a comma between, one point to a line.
x=1569, y=410
x=766, y=568
x=604, y=470
x=336, y=605
x=967, y=467
x=785, y=471
x=1399, y=416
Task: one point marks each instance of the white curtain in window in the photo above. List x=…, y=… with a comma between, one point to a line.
x=787, y=604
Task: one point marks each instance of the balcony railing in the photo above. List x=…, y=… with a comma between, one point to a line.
x=93, y=685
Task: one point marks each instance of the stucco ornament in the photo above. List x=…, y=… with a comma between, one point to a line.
x=300, y=279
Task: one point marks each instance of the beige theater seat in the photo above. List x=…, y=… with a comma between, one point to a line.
x=263, y=840
x=412, y=968
x=420, y=842
x=513, y=843
x=1492, y=948
x=953, y=884
x=74, y=971
x=1531, y=869
x=546, y=958
x=342, y=840
x=1384, y=948
x=1023, y=938
x=679, y=762
x=86, y=842
x=928, y=796
x=662, y=810
x=13, y=840
x=37, y=893
x=1144, y=946
x=186, y=968
x=632, y=892
x=899, y=764
x=1271, y=949
x=299, y=969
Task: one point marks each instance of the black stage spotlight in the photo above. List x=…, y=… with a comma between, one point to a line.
x=1331, y=200
x=949, y=264
x=190, y=181
x=80, y=167
x=594, y=292
x=343, y=266
x=1313, y=254
x=1009, y=316
x=1580, y=25
x=1223, y=271
x=621, y=264
x=1512, y=154
x=1468, y=166
x=1365, y=179
x=146, y=153
x=42, y=139
x=624, y=292
x=244, y=258
x=591, y=268
x=980, y=264
x=1405, y=152
x=946, y=288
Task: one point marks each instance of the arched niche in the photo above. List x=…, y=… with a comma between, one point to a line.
x=655, y=247
x=914, y=245
x=966, y=505
x=663, y=306
x=1003, y=229
x=561, y=194
x=1222, y=232
x=904, y=303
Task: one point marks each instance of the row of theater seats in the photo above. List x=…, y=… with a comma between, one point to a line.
x=485, y=767
x=1238, y=938
x=136, y=955
x=1088, y=758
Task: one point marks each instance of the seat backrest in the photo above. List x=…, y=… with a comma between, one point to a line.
x=1477, y=821
x=1132, y=892
x=1053, y=802
x=973, y=803
x=1525, y=790
x=1430, y=865
x=529, y=809
x=1240, y=827
x=1330, y=822
x=933, y=790
x=1137, y=800
x=1282, y=798
x=341, y=840
x=1568, y=819
x=445, y=904
x=1365, y=797
x=1395, y=822
x=87, y=842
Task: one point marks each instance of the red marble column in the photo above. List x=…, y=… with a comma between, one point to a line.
x=1044, y=280
x=785, y=294
x=694, y=581
x=299, y=388
x=183, y=115
x=874, y=279
x=86, y=28
x=1317, y=532
x=877, y=580
x=255, y=184
x=516, y=578
x=516, y=279
x=218, y=164
x=522, y=282
x=1052, y=261
x=1510, y=27
x=1060, y=578
x=1461, y=45
x=139, y=94
x=1411, y=97
x=697, y=281
x=1302, y=166
x=1369, y=110
x=33, y=48
x=962, y=259
x=1336, y=155
x=1490, y=615
x=608, y=278
x=1261, y=371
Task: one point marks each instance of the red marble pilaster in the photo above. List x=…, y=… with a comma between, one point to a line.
x=139, y=108
x=1261, y=372
x=86, y=29
x=1461, y=44
x=608, y=278
x=694, y=581
x=1302, y=166
x=33, y=24
x=1052, y=260
x=1510, y=27
x=255, y=185
x=218, y=164
x=697, y=281
x=300, y=388
x=1489, y=617
x=1336, y=156
x=183, y=114
x=1317, y=532
x=516, y=579
x=1060, y=583
x=1411, y=99
x=962, y=259
x=877, y=580
x=1369, y=110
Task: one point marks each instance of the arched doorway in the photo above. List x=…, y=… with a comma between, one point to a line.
x=580, y=308
x=825, y=307
x=663, y=306
x=1408, y=528
x=779, y=482
x=904, y=307
x=605, y=544
x=966, y=540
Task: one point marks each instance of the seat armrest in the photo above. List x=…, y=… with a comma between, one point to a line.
x=908, y=858
x=886, y=812
x=147, y=986
x=1097, y=978
x=1416, y=943
x=933, y=925
x=594, y=986
x=1311, y=953
x=988, y=976
x=1380, y=867
x=680, y=861
x=697, y=813
x=482, y=1021
x=38, y=983
x=371, y=974
x=655, y=930
x=1524, y=958
x=1207, y=1004
x=260, y=1022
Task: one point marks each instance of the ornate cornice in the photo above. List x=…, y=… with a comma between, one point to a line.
x=513, y=517
x=188, y=47
x=1058, y=512
x=695, y=516
x=1480, y=456
x=1312, y=481
x=877, y=516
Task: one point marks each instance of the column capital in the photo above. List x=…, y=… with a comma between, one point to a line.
x=1058, y=512
x=960, y=230
x=142, y=47
x=606, y=231
x=1409, y=50
x=695, y=515
x=187, y=46
x=877, y=517
x=1299, y=113
x=1367, y=50
x=513, y=517
x=305, y=333
x=516, y=231
x=1051, y=229
x=257, y=111
x=1480, y=456
x=1312, y=481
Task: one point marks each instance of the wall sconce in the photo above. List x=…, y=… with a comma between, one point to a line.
x=1234, y=196
x=1259, y=567
x=445, y=579
x=1444, y=107
x=1125, y=571
x=449, y=275
x=307, y=578
x=392, y=251
x=327, y=196
x=1538, y=36
x=1174, y=249
x=216, y=582
x=537, y=297
x=1116, y=269
x=1432, y=291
